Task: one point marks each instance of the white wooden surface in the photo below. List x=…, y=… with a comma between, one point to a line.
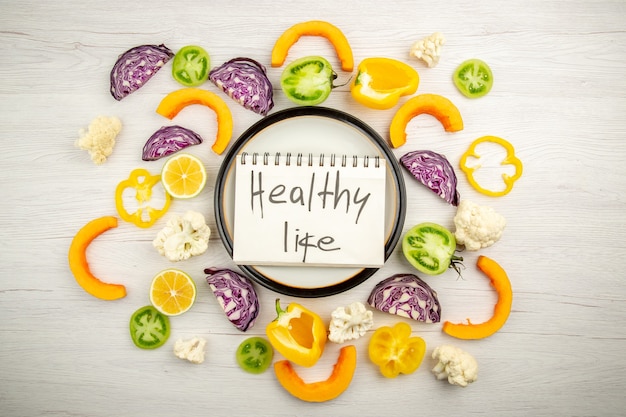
x=559, y=97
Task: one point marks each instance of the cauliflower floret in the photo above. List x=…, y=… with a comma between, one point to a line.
x=477, y=226
x=349, y=323
x=192, y=349
x=99, y=140
x=455, y=364
x=183, y=237
x=429, y=49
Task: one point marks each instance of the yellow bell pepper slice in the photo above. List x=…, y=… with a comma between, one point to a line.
x=380, y=82
x=395, y=351
x=298, y=334
x=510, y=159
x=143, y=182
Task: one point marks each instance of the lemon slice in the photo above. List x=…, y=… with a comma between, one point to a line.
x=172, y=292
x=183, y=176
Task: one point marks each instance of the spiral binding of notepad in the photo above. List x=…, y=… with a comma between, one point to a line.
x=309, y=159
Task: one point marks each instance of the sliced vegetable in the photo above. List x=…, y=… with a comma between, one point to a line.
x=245, y=81
x=473, y=78
x=142, y=182
x=314, y=28
x=190, y=66
x=509, y=159
x=168, y=140
x=395, y=351
x=236, y=296
x=308, y=81
x=435, y=105
x=149, y=329
x=380, y=82
x=79, y=265
x=298, y=334
x=407, y=296
x=177, y=100
x=134, y=68
x=430, y=248
x=255, y=355
x=501, y=283
x=435, y=172
x=319, y=391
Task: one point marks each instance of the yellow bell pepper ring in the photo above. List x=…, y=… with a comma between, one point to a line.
x=509, y=159
x=142, y=182
x=380, y=82
x=298, y=334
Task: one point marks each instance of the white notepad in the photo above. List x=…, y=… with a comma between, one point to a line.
x=309, y=210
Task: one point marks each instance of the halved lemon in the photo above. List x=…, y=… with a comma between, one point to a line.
x=172, y=292
x=183, y=176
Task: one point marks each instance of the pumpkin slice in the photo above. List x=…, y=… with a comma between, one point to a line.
x=177, y=100
x=319, y=391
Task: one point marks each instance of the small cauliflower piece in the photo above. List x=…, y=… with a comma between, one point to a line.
x=183, y=237
x=477, y=226
x=191, y=350
x=99, y=139
x=458, y=366
x=349, y=323
x=428, y=49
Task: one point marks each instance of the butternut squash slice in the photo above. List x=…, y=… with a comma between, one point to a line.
x=319, y=391
x=177, y=100
x=80, y=267
x=314, y=28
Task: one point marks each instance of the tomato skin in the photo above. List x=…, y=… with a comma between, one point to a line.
x=149, y=329
x=254, y=355
x=308, y=81
x=190, y=66
x=473, y=78
x=430, y=248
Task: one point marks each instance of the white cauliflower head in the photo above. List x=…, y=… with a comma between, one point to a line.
x=349, y=323
x=191, y=350
x=477, y=226
x=99, y=140
x=183, y=237
x=458, y=366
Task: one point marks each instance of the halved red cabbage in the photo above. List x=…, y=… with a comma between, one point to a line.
x=168, y=140
x=435, y=172
x=236, y=295
x=135, y=67
x=406, y=295
x=246, y=82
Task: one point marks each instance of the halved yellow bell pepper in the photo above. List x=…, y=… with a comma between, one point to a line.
x=142, y=182
x=298, y=334
x=380, y=82
x=510, y=159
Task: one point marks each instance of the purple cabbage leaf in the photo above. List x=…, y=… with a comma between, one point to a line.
x=236, y=296
x=168, y=140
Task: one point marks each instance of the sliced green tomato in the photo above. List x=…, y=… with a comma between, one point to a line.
x=255, y=355
x=308, y=80
x=430, y=248
x=473, y=78
x=190, y=66
x=149, y=329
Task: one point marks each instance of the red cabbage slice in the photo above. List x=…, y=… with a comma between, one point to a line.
x=406, y=295
x=236, y=295
x=168, y=140
x=435, y=172
x=135, y=67
x=246, y=82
